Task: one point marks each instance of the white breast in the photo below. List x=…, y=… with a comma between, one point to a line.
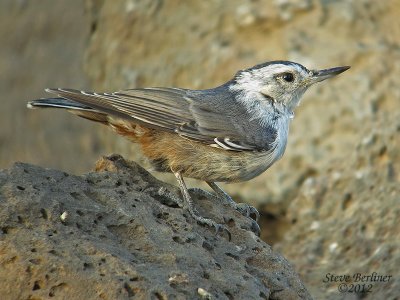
x=282, y=126
x=259, y=162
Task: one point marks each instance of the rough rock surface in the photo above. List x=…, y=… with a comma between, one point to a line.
x=110, y=235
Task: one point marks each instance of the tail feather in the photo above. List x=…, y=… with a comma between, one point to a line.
x=76, y=108
x=57, y=103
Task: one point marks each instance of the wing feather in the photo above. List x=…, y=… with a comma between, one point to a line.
x=169, y=109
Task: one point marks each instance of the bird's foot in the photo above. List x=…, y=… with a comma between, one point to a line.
x=172, y=199
x=246, y=210
x=203, y=193
x=162, y=191
x=249, y=211
x=209, y=222
x=193, y=211
x=243, y=208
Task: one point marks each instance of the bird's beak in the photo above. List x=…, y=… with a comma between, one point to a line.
x=320, y=75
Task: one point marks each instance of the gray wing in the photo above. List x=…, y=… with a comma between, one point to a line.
x=169, y=109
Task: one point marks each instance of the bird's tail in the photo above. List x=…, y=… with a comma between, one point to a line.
x=57, y=103
x=76, y=108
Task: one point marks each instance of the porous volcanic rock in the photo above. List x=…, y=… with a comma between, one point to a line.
x=113, y=234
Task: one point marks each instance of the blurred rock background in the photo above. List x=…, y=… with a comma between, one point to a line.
x=42, y=45
x=338, y=180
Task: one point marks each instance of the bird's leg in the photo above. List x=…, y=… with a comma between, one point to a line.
x=244, y=208
x=193, y=211
x=203, y=193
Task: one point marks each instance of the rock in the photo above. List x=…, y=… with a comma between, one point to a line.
x=113, y=234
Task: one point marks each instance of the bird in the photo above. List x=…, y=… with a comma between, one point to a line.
x=230, y=133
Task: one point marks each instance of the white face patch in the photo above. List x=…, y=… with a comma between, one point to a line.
x=254, y=80
x=262, y=89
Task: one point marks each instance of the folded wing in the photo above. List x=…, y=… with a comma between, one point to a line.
x=168, y=109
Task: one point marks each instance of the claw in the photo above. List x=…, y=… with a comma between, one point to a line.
x=254, y=211
x=245, y=209
x=255, y=228
x=248, y=210
x=222, y=228
x=218, y=227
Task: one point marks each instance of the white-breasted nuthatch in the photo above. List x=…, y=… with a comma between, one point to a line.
x=230, y=133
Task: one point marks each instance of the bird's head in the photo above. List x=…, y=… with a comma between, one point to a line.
x=280, y=82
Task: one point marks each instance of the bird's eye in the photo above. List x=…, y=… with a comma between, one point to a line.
x=288, y=77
